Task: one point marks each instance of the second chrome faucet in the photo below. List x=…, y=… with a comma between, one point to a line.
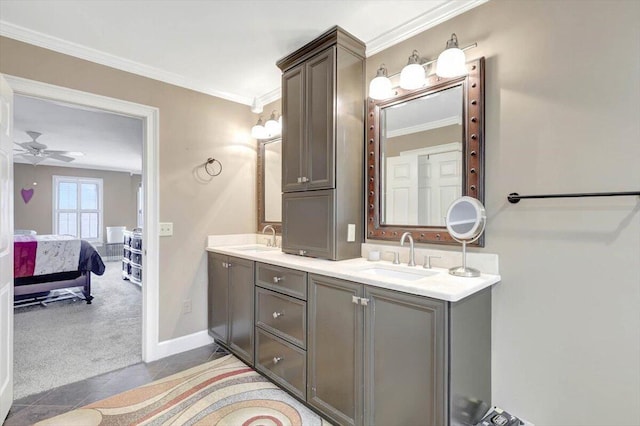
x=271, y=243
x=412, y=254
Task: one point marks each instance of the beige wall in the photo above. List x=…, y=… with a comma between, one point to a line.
x=562, y=92
x=433, y=137
x=119, y=193
x=193, y=127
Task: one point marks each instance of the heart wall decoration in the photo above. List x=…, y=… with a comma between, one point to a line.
x=26, y=194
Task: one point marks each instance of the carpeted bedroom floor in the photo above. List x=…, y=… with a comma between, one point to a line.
x=68, y=341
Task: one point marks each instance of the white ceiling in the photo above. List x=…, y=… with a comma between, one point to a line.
x=108, y=141
x=225, y=48
x=220, y=47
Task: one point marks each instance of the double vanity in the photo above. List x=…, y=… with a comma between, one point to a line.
x=364, y=342
x=361, y=342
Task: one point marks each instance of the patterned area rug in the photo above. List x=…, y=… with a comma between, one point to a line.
x=221, y=392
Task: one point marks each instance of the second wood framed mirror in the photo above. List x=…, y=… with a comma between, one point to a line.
x=425, y=149
x=269, y=184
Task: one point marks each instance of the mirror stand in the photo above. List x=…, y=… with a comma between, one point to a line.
x=466, y=219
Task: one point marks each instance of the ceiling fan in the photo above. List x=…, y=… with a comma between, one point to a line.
x=36, y=152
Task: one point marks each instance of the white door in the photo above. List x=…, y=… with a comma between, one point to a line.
x=440, y=184
x=401, y=192
x=6, y=248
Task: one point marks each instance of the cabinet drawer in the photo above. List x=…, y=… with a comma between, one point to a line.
x=282, y=315
x=281, y=361
x=283, y=280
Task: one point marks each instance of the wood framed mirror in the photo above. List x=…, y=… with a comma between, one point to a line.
x=425, y=149
x=269, y=184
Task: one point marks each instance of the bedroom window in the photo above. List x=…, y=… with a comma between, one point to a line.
x=77, y=207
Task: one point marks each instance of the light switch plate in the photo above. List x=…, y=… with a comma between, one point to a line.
x=166, y=229
x=351, y=232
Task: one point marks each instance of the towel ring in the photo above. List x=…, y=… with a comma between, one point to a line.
x=209, y=167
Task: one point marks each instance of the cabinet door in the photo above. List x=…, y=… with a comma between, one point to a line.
x=241, y=308
x=334, y=351
x=308, y=220
x=293, y=137
x=218, y=294
x=320, y=96
x=404, y=358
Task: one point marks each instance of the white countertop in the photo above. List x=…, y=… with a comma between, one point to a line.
x=440, y=285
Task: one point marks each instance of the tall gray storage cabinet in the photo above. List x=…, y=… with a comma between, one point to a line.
x=323, y=138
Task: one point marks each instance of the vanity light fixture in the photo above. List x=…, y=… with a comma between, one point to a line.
x=268, y=130
x=413, y=75
x=452, y=61
x=380, y=87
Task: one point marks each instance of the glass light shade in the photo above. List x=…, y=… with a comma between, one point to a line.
x=380, y=87
x=272, y=125
x=412, y=77
x=258, y=131
x=451, y=63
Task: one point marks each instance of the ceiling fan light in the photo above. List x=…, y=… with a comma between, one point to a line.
x=380, y=86
x=413, y=75
x=452, y=61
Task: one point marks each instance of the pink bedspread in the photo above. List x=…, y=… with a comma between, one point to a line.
x=44, y=254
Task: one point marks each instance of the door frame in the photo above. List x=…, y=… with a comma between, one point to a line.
x=150, y=177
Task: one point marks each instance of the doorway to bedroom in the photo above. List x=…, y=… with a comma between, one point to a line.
x=78, y=171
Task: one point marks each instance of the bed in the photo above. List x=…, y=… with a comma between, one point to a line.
x=44, y=263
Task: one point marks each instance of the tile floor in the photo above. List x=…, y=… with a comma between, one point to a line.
x=34, y=408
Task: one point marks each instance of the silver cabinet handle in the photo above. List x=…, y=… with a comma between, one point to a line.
x=276, y=280
x=277, y=359
x=305, y=179
x=364, y=302
x=299, y=179
x=355, y=299
x=302, y=252
x=277, y=314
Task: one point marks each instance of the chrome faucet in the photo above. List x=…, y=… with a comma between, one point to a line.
x=412, y=254
x=271, y=243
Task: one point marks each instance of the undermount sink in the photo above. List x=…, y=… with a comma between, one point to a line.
x=388, y=272
x=256, y=248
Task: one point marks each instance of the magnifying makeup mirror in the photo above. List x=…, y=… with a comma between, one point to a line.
x=465, y=221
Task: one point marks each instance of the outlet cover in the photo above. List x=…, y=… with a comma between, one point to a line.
x=351, y=232
x=166, y=229
x=186, y=307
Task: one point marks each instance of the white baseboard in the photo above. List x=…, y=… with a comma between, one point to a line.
x=180, y=344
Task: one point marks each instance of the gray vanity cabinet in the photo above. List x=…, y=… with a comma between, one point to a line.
x=404, y=359
x=231, y=296
x=335, y=349
x=382, y=357
x=322, y=145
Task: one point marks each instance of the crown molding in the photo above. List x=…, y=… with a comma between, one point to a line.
x=271, y=96
x=421, y=23
x=59, y=45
